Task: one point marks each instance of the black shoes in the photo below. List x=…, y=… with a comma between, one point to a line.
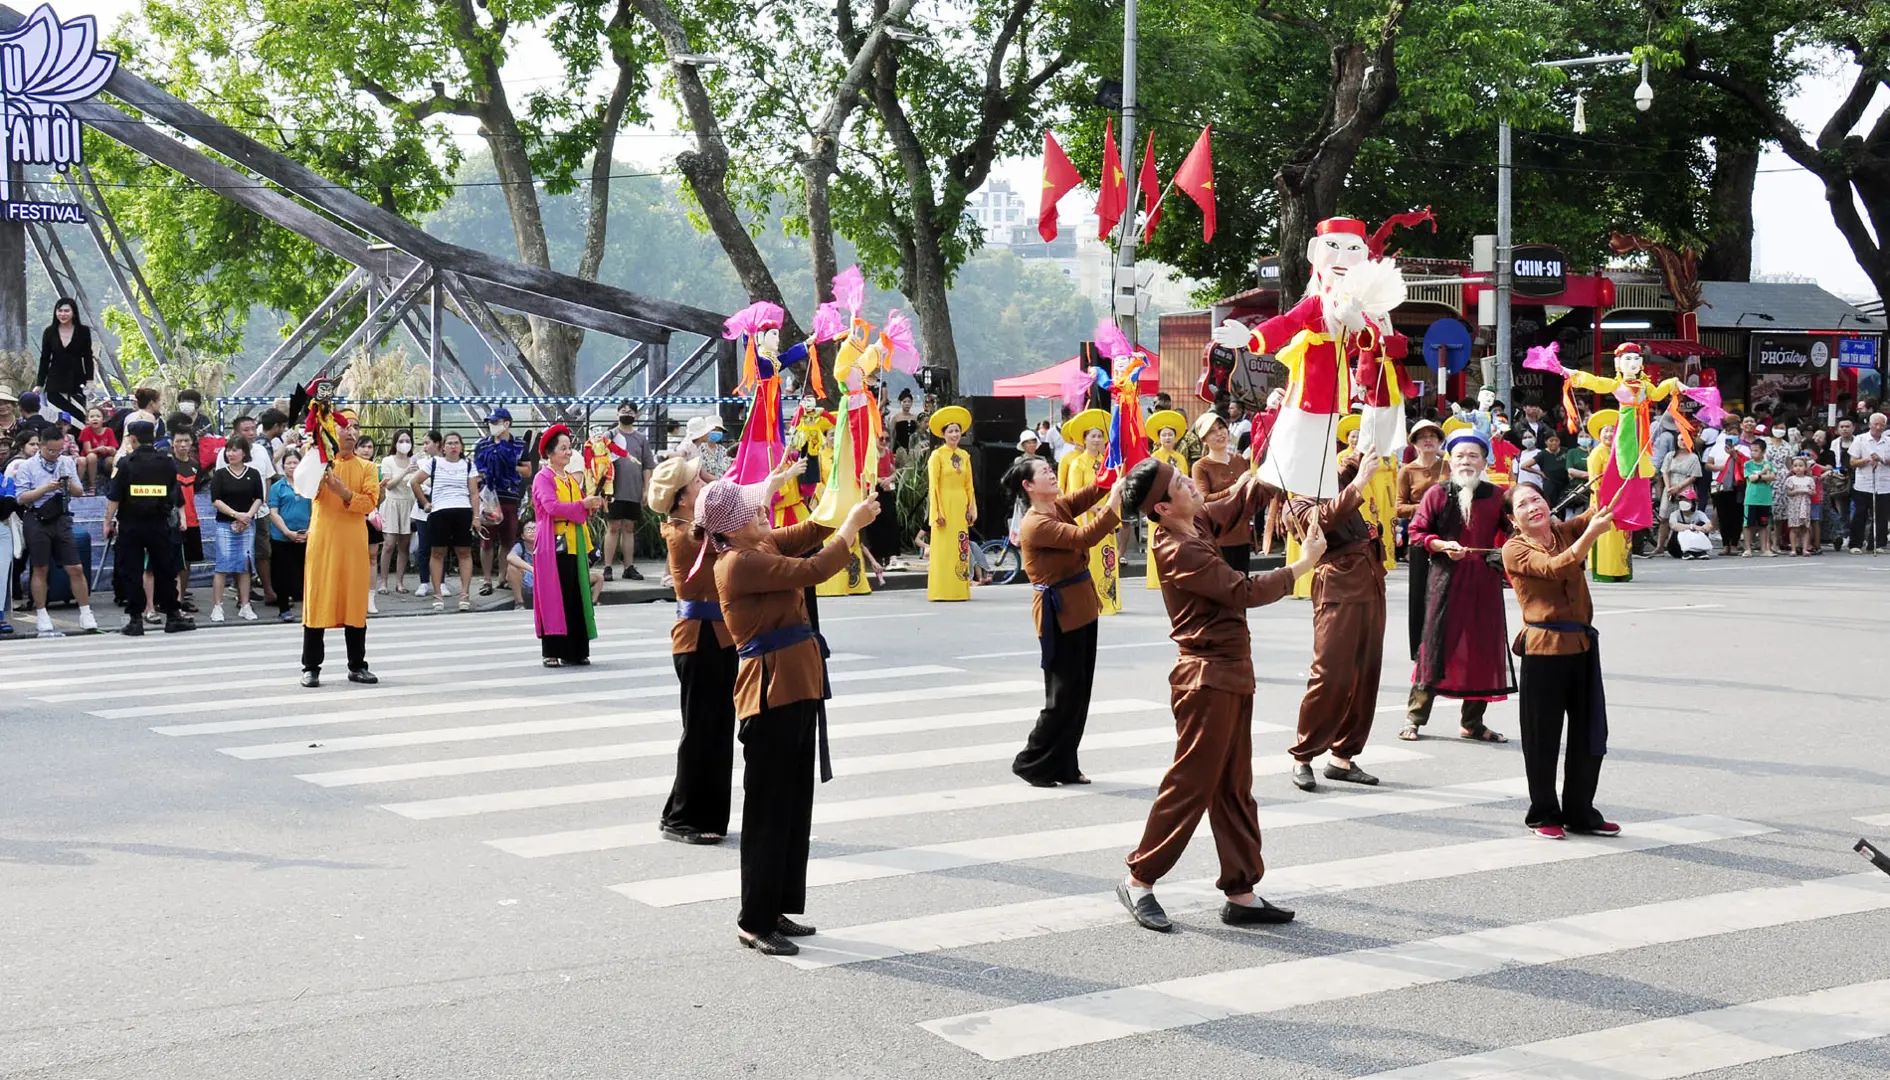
x=134, y=627
x=1303, y=777
x=368, y=678
x=1261, y=914
x=177, y=624
x=769, y=944
x=684, y=835
x=1351, y=774
x=311, y=679
x=789, y=928
x=1147, y=911
x=631, y=573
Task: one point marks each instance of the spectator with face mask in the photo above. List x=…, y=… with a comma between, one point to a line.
x=190, y=403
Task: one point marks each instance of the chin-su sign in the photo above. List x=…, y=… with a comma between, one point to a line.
x=46, y=65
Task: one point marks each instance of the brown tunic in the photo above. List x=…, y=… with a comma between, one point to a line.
x=1056, y=548
x=1207, y=599
x=761, y=591
x=1549, y=588
x=1217, y=481
x=683, y=548
x=1351, y=571
x=1414, y=480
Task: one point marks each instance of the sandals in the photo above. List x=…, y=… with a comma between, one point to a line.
x=1484, y=734
x=552, y=661
x=1409, y=733
x=439, y=605
x=465, y=604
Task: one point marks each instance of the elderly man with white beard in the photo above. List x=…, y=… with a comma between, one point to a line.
x=1464, y=651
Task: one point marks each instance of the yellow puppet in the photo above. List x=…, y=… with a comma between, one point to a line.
x=1090, y=430
x=1608, y=560
x=1165, y=429
x=600, y=454
x=951, y=509
x=1381, y=495
x=854, y=468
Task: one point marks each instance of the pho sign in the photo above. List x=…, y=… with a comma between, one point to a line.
x=46, y=65
x=1537, y=270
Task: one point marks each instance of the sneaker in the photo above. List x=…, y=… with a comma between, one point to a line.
x=446, y=588
x=188, y=605
x=1857, y=551
x=6, y=629
x=372, y=609
x=43, y=625
x=216, y=613
x=287, y=616
x=132, y=628
x=246, y=613
x=178, y=624
x=1549, y=832
x=631, y=573
x=88, y=622
x=1606, y=828
x=609, y=575
x=423, y=590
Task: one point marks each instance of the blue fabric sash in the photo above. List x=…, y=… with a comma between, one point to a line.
x=1053, y=605
x=779, y=638
x=1597, y=700
x=706, y=610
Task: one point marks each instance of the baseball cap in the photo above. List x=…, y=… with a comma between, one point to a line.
x=499, y=413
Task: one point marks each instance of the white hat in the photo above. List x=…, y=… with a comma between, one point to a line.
x=1030, y=435
x=6, y=393
x=702, y=425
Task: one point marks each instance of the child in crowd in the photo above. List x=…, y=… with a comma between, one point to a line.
x=1797, y=488
x=97, y=445
x=1758, y=502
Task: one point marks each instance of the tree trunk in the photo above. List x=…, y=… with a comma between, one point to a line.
x=706, y=167
x=1311, y=181
x=922, y=271
x=1728, y=254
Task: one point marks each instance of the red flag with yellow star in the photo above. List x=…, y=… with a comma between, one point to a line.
x=1059, y=176
x=1151, y=186
x=1196, y=179
x=1113, y=197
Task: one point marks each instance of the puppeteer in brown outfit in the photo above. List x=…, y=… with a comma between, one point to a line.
x=1066, y=611
x=1348, y=596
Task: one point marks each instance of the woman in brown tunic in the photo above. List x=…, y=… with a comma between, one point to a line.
x=1215, y=474
x=779, y=688
x=1561, y=663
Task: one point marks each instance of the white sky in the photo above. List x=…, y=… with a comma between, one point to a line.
x=1793, y=228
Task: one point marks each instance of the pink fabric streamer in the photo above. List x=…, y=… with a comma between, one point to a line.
x=1707, y=397
x=1111, y=341
x=898, y=335
x=849, y=290
x=753, y=319
x=1545, y=358
x=1076, y=388
x=830, y=323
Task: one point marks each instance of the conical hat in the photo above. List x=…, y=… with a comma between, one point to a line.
x=1088, y=419
x=1602, y=419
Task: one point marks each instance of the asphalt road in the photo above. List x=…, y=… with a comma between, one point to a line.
x=206, y=871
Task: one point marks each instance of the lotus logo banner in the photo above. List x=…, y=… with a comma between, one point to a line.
x=44, y=66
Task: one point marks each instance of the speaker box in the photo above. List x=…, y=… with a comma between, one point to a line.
x=996, y=419
x=988, y=465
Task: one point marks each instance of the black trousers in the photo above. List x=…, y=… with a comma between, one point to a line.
x=1870, y=521
x=699, y=798
x=574, y=645
x=1237, y=556
x=1554, y=688
x=777, y=813
x=1050, y=753
x=1730, y=508
x=68, y=401
x=1420, y=563
x=140, y=539
x=314, y=650
x=286, y=560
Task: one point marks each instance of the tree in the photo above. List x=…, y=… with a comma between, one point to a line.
x=359, y=92
x=1752, y=51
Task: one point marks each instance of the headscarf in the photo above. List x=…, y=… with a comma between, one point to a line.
x=722, y=507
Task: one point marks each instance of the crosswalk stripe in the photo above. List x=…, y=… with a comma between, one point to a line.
x=1065, y=914
x=1017, y=847
x=1102, y=1016
x=1879, y=820
x=1039, y=650
x=572, y=794
x=287, y=658
x=528, y=660
x=533, y=759
x=237, y=639
x=609, y=697
x=1681, y=1046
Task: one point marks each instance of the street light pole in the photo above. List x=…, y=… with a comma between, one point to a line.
x=1505, y=198
x=1122, y=286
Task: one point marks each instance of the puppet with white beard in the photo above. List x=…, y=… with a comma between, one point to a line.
x=1464, y=650
x=1345, y=317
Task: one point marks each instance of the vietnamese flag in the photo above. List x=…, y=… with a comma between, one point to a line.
x=1113, y=198
x=1151, y=186
x=1196, y=180
x=1059, y=177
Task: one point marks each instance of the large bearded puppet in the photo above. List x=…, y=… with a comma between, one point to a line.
x=1345, y=318
x=1626, y=485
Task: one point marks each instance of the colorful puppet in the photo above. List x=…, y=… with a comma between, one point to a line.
x=1626, y=486
x=1345, y=313
x=758, y=326
x=857, y=431
x=600, y=456
x=1089, y=430
x=313, y=408
x=806, y=439
x=1121, y=380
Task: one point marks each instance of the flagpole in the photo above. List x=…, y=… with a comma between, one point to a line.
x=1123, y=300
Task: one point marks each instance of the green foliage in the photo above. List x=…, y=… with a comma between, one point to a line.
x=1013, y=315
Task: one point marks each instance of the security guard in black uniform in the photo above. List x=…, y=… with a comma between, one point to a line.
x=145, y=492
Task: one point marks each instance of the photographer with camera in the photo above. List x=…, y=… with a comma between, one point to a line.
x=48, y=482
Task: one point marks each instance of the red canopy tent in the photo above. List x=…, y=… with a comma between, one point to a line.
x=1048, y=383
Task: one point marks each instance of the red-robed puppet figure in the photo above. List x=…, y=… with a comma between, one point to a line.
x=1344, y=317
x=313, y=407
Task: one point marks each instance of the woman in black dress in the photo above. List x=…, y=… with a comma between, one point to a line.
x=66, y=363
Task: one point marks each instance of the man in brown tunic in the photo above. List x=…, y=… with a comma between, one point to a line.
x=1210, y=689
x=1066, y=611
x=1348, y=596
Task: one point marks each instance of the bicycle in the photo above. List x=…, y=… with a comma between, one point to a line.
x=1001, y=559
